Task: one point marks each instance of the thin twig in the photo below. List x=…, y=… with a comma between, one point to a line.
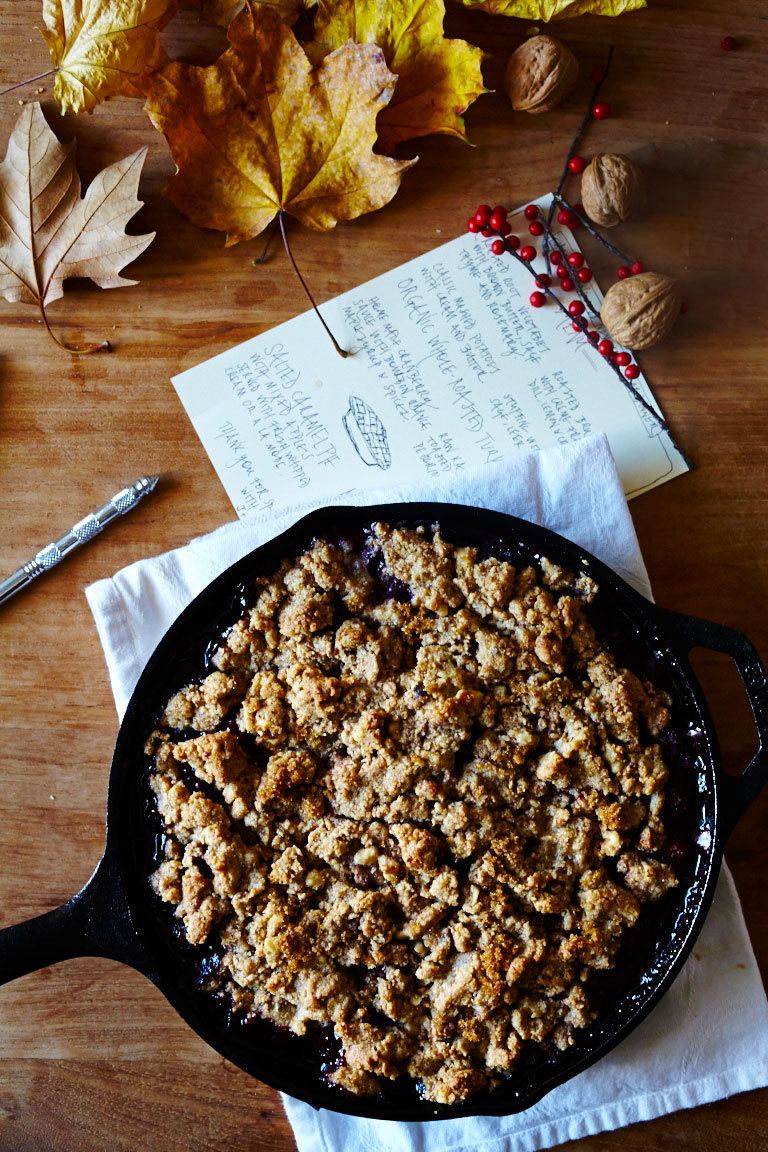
x=334, y=341
x=575, y=143
x=75, y=349
x=31, y=80
x=583, y=219
x=572, y=274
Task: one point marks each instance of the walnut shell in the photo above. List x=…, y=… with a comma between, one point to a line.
x=641, y=310
x=539, y=73
x=612, y=189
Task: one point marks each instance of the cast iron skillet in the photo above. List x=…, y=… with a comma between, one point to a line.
x=116, y=915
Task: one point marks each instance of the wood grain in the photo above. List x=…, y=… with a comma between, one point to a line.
x=92, y=1056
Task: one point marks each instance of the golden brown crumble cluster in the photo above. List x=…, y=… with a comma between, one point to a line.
x=421, y=807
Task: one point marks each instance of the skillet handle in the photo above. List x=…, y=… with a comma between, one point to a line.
x=735, y=793
x=95, y=922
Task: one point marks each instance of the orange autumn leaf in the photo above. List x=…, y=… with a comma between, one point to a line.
x=261, y=131
x=103, y=48
x=437, y=79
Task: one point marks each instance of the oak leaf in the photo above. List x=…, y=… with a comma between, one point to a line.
x=261, y=132
x=47, y=231
x=437, y=79
x=102, y=48
x=546, y=10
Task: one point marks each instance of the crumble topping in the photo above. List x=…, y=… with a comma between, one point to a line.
x=416, y=802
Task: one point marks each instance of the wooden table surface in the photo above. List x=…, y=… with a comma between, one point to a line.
x=93, y=1058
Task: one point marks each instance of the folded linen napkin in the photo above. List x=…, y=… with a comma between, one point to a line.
x=708, y=1038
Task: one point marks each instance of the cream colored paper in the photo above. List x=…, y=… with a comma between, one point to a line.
x=451, y=368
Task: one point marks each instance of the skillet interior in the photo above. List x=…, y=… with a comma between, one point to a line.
x=641, y=636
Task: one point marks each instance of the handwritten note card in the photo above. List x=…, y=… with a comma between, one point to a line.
x=451, y=368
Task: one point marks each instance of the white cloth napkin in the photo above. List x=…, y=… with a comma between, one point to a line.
x=708, y=1038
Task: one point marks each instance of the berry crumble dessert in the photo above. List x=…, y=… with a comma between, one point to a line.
x=417, y=802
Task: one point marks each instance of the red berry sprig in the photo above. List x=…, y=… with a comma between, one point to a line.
x=505, y=242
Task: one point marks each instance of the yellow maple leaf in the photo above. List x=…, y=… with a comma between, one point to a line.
x=223, y=12
x=546, y=10
x=261, y=131
x=48, y=232
x=102, y=48
x=437, y=79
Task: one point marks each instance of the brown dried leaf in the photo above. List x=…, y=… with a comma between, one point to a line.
x=47, y=231
x=261, y=131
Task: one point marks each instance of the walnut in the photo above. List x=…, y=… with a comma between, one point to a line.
x=641, y=310
x=612, y=189
x=539, y=73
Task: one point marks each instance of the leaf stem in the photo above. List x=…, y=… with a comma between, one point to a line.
x=75, y=349
x=269, y=234
x=31, y=80
x=334, y=341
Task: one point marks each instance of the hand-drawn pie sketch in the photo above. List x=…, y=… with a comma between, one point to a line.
x=367, y=433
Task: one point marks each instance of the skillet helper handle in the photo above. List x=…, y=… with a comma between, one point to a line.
x=95, y=922
x=736, y=792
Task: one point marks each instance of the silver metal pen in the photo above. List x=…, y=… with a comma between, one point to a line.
x=80, y=533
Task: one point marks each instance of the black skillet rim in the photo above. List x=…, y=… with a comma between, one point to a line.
x=218, y=602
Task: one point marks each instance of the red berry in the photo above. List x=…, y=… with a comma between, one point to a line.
x=577, y=164
x=575, y=259
x=543, y=281
x=622, y=272
x=638, y=267
x=531, y=212
x=592, y=336
x=497, y=221
x=632, y=372
x=498, y=247
x=566, y=284
x=486, y=231
x=727, y=43
x=596, y=76
x=483, y=215
x=537, y=299
x=513, y=242
x=499, y=210
x=623, y=358
x=536, y=228
x=528, y=252
x=601, y=110
x=579, y=208
x=472, y=225
x=563, y=216
x=578, y=326
x=556, y=257
x=584, y=275
x=605, y=347
x=575, y=307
